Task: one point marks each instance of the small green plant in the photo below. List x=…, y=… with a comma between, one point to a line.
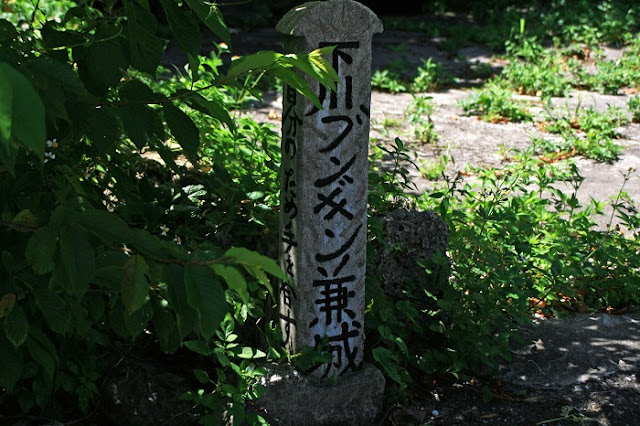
x=388, y=81
x=494, y=103
x=428, y=76
x=419, y=115
x=433, y=169
x=588, y=132
x=634, y=107
x=389, y=180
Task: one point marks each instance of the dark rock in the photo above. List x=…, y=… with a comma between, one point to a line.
x=294, y=399
x=410, y=239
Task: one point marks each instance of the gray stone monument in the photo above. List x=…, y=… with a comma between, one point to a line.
x=323, y=233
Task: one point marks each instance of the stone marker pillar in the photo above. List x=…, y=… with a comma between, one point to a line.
x=323, y=231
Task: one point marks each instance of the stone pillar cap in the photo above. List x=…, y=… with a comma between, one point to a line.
x=353, y=17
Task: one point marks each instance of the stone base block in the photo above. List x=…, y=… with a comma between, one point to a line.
x=294, y=399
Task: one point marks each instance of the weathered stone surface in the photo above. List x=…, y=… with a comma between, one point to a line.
x=410, y=237
x=143, y=394
x=324, y=185
x=294, y=399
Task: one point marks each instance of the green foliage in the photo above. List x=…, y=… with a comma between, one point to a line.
x=419, y=114
x=634, y=107
x=587, y=132
x=494, y=103
x=126, y=193
x=512, y=253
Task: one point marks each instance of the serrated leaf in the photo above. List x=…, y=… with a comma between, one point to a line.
x=141, y=123
x=12, y=365
x=6, y=109
x=145, y=47
x=135, y=283
x=211, y=107
x=101, y=66
x=138, y=320
x=59, y=74
x=7, y=303
x=183, y=129
x=41, y=250
x=135, y=91
x=103, y=129
x=53, y=37
x=78, y=260
x=106, y=226
x=146, y=243
x=164, y=325
x=16, y=326
x=184, y=28
x=54, y=309
x=206, y=296
x=234, y=279
x=212, y=18
x=43, y=358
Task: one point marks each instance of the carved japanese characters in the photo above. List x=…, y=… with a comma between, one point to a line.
x=324, y=186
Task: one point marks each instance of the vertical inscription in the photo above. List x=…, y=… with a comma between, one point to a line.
x=335, y=281
x=324, y=186
x=289, y=243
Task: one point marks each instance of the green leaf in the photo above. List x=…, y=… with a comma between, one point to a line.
x=206, y=296
x=7, y=303
x=144, y=46
x=135, y=283
x=165, y=327
x=183, y=129
x=234, y=280
x=52, y=37
x=389, y=363
x=135, y=91
x=59, y=74
x=141, y=123
x=101, y=66
x=54, y=309
x=256, y=62
x=41, y=250
x=211, y=107
x=16, y=326
x=249, y=353
x=25, y=218
x=6, y=109
x=201, y=375
x=212, y=18
x=386, y=333
x=138, y=320
x=78, y=260
x=247, y=257
x=12, y=365
x=103, y=129
x=298, y=83
x=184, y=28
x=106, y=226
x=199, y=347
x=27, y=119
x=43, y=358
x=116, y=320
